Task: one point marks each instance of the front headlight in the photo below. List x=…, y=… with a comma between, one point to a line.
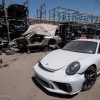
x=72, y=68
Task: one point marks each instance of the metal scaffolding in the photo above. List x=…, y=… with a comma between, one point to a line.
x=69, y=15
x=41, y=13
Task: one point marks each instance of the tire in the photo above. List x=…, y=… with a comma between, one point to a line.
x=52, y=44
x=22, y=44
x=90, y=78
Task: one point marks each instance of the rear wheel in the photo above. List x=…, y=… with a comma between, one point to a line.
x=90, y=78
x=52, y=44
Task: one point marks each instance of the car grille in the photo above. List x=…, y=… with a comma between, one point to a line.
x=46, y=84
x=63, y=86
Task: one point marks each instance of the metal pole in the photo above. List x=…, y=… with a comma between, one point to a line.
x=26, y=3
x=6, y=21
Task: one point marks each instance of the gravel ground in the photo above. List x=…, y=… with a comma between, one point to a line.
x=16, y=82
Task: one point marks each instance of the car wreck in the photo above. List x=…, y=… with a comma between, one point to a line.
x=17, y=11
x=17, y=20
x=38, y=35
x=17, y=26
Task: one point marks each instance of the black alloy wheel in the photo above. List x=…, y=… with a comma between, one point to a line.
x=90, y=78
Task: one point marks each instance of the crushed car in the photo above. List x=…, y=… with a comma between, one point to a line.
x=17, y=26
x=17, y=11
x=38, y=35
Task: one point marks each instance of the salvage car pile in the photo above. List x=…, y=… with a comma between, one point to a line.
x=17, y=19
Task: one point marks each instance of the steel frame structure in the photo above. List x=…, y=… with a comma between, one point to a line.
x=69, y=15
x=41, y=13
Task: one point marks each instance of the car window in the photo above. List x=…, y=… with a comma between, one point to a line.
x=81, y=46
x=36, y=38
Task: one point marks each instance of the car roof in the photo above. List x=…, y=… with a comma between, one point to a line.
x=93, y=40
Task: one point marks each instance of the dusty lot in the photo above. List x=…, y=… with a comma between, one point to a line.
x=16, y=81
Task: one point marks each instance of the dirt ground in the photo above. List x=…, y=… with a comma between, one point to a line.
x=16, y=82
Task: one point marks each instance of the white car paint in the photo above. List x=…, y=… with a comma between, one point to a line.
x=56, y=62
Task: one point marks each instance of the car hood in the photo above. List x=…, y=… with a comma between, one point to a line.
x=61, y=58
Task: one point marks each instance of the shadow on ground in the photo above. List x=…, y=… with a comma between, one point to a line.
x=50, y=93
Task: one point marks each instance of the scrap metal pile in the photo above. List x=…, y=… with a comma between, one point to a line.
x=72, y=30
x=17, y=20
x=73, y=23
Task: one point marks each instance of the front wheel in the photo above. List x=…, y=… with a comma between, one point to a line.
x=90, y=78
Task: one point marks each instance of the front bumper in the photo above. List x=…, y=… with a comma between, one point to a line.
x=58, y=81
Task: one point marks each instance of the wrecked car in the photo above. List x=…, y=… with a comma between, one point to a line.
x=17, y=11
x=17, y=26
x=39, y=35
x=36, y=40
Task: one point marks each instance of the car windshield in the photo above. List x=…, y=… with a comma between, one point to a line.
x=17, y=22
x=81, y=46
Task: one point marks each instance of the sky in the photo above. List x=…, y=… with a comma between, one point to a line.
x=84, y=6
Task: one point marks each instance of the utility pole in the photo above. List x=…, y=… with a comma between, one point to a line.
x=26, y=3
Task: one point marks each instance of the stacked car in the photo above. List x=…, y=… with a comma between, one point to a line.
x=17, y=15
x=1, y=18
x=16, y=18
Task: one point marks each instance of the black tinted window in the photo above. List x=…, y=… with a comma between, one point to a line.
x=81, y=46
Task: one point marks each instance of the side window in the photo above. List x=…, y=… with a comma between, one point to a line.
x=99, y=49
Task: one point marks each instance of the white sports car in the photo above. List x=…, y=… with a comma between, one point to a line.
x=71, y=69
